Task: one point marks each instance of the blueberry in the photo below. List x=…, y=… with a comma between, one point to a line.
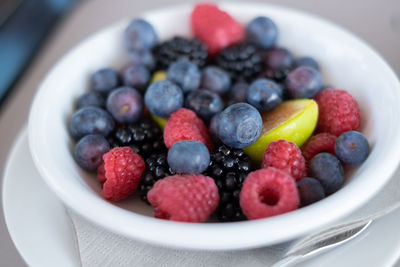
x=185, y=74
x=308, y=62
x=214, y=126
x=91, y=98
x=140, y=35
x=310, y=191
x=264, y=94
x=262, y=32
x=239, y=125
x=188, y=157
x=216, y=80
x=125, y=104
x=278, y=58
x=352, y=148
x=237, y=93
x=205, y=103
x=328, y=170
x=163, y=97
x=90, y=120
x=136, y=76
x=143, y=57
x=303, y=82
x=104, y=80
x=89, y=151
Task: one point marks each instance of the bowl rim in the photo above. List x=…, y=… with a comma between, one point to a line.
x=192, y=235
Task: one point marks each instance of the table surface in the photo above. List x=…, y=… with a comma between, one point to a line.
x=377, y=22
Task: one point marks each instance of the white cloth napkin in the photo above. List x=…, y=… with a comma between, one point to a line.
x=99, y=247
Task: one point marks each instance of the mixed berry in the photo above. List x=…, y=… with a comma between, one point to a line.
x=242, y=61
x=144, y=137
x=178, y=47
x=225, y=122
x=229, y=168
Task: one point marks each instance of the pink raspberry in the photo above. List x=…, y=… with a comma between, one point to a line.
x=268, y=192
x=215, y=27
x=101, y=173
x=322, y=142
x=120, y=173
x=185, y=125
x=338, y=112
x=287, y=157
x=186, y=198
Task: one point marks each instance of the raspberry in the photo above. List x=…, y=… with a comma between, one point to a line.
x=101, y=173
x=120, y=173
x=185, y=125
x=287, y=157
x=215, y=27
x=338, y=112
x=187, y=198
x=268, y=192
x=322, y=142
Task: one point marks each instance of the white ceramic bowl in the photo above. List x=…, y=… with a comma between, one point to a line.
x=347, y=62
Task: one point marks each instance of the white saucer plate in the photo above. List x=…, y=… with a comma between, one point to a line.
x=44, y=235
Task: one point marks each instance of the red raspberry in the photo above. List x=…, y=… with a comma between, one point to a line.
x=338, y=112
x=101, y=173
x=215, y=27
x=268, y=192
x=121, y=173
x=185, y=125
x=287, y=157
x=186, y=198
x=322, y=142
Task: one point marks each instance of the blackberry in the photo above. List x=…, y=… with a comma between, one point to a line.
x=178, y=48
x=241, y=61
x=278, y=63
x=277, y=75
x=144, y=137
x=229, y=168
x=156, y=168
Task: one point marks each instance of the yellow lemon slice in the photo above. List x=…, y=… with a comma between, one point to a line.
x=159, y=76
x=160, y=121
x=293, y=120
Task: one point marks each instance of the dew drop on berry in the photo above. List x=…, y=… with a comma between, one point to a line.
x=139, y=136
x=229, y=163
x=216, y=171
x=224, y=150
x=159, y=172
x=218, y=157
x=243, y=166
x=238, y=152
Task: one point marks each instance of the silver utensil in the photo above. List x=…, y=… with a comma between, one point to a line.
x=332, y=237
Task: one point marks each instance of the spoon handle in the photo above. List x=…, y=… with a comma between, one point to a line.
x=288, y=261
x=322, y=242
x=329, y=238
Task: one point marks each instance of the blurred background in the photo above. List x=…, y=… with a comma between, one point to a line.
x=34, y=34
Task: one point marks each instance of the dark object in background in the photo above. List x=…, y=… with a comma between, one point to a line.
x=23, y=26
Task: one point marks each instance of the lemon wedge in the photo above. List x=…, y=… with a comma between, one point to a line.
x=293, y=121
x=160, y=121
